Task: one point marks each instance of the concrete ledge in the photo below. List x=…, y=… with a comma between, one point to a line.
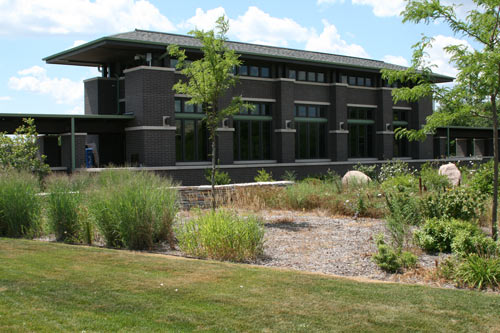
x=231, y=186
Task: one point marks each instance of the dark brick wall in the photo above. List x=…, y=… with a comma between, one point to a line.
x=384, y=115
x=101, y=96
x=150, y=147
x=225, y=152
x=311, y=92
x=362, y=96
x=80, y=141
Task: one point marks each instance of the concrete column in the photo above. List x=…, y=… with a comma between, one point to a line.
x=479, y=147
x=461, y=145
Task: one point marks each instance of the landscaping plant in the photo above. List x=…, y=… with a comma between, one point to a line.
x=222, y=235
x=263, y=176
x=20, y=207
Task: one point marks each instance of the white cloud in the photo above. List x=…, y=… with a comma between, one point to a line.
x=35, y=79
x=5, y=98
x=203, y=20
x=76, y=110
x=439, y=57
x=396, y=60
x=383, y=8
x=78, y=43
x=79, y=16
x=257, y=26
x=330, y=41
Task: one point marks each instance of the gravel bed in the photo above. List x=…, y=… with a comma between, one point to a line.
x=340, y=246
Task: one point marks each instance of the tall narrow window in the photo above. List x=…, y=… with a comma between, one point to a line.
x=310, y=135
x=191, y=136
x=400, y=120
x=361, y=132
x=252, y=135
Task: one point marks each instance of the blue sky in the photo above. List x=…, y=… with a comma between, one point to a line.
x=32, y=30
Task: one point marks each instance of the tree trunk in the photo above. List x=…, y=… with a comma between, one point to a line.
x=212, y=176
x=494, y=229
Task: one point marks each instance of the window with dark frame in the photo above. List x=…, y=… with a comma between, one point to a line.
x=191, y=135
x=361, y=125
x=253, y=133
x=311, y=131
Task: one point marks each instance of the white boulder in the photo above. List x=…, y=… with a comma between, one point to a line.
x=451, y=171
x=355, y=177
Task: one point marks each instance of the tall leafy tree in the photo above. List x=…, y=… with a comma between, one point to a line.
x=21, y=151
x=208, y=80
x=477, y=85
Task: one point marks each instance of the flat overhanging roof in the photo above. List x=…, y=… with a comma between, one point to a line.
x=58, y=124
x=124, y=46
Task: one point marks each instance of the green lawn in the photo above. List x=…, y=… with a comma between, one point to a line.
x=55, y=287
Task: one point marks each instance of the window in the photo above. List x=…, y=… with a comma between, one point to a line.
x=361, y=81
x=255, y=71
x=252, y=135
x=191, y=135
x=400, y=120
x=306, y=76
x=310, y=135
x=361, y=131
x=352, y=80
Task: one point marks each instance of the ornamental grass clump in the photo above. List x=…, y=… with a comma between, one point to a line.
x=20, y=206
x=66, y=213
x=134, y=209
x=222, y=235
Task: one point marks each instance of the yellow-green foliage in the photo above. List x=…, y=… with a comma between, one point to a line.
x=222, y=235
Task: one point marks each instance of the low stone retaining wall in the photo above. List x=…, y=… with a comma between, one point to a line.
x=200, y=196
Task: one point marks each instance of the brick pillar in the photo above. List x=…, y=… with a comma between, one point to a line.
x=479, y=147
x=461, y=145
x=337, y=124
x=80, y=140
x=418, y=115
x=384, y=147
x=284, y=133
x=150, y=137
x=440, y=146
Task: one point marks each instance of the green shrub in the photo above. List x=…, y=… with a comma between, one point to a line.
x=369, y=170
x=400, y=183
x=393, y=169
x=19, y=204
x=221, y=177
x=263, y=176
x=134, y=209
x=464, y=244
x=403, y=213
x=482, y=180
x=222, y=235
x=64, y=202
x=437, y=235
x=478, y=272
x=289, y=175
x=462, y=203
x=390, y=259
x=431, y=178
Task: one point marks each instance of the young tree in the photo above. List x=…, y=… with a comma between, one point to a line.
x=21, y=151
x=477, y=85
x=208, y=79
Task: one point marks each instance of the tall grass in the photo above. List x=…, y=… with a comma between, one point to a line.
x=222, y=235
x=133, y=209
x=20, y=206
x=66, y=212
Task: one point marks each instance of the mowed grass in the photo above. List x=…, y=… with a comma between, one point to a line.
x=51, y=287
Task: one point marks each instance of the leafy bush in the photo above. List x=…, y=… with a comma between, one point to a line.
x=458, y=203
x=464, y=243
x=263, y=176
x=403, y=213
x=393, y=169
x=221, y=177
x=19, y=204
x=437, y=235
x=63, y=205
x=289, y=175
x=369, y=170
x=134, y=209
x=390, y=259
x=401, y=183
x=478, y=272
x=222, y=235
x=431, y=178
x=482, y=180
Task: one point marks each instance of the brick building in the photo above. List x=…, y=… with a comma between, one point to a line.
x=313, y=112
